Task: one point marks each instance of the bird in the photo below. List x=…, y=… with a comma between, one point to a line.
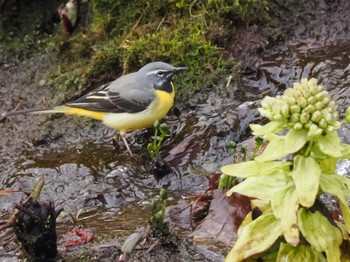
x=132, y=101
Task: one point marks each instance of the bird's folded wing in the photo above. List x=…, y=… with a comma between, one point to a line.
x=104, y=100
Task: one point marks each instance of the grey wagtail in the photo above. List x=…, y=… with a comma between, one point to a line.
x=131, y=102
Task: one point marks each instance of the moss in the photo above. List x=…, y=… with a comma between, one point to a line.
x=124, y=35
x=116, y=36
x=179, y=32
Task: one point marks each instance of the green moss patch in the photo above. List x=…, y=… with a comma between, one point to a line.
x=115, y=37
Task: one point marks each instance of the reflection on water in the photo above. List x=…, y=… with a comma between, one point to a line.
x=329, y=64
x=83, y=170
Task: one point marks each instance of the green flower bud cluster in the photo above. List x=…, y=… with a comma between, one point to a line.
x=306, y=105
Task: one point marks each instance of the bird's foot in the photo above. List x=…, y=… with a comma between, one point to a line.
x=115, y=143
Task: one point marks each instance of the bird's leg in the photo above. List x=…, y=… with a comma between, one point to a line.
x=126, y=144
x=116, y=139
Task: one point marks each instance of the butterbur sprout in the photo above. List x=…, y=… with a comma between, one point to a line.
x=288, y=177
x=306, y=105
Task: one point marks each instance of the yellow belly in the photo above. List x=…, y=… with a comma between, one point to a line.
x=132, y=121
x=124, y=122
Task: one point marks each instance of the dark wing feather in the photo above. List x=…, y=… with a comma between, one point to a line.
x=105, y=100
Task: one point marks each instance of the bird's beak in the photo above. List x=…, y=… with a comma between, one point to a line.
x=179, y=69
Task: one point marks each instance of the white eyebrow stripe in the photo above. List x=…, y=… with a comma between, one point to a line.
x=155, y=72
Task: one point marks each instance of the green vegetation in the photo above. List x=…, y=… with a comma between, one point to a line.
x=37, y=188
x=158, y=212
x=159, y=228
x=258, y=143
x=154, y=147
x=124, y=35
x=232, y=146
x=226, y=180
x=182, y=32
x=294, y=225
x=115, y=37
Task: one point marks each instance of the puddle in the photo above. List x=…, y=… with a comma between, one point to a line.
x=83, y=170
x=329, y=64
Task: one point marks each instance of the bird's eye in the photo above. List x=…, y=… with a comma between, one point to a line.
x=160, y=73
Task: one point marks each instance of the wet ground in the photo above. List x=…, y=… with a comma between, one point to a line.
x=84, y=170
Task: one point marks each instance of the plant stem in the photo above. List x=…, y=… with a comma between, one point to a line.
x=307, y=152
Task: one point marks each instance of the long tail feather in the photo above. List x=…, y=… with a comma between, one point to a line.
x=57, y=109
x=28, y=111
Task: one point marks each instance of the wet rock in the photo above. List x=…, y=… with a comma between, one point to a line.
x=160, y=168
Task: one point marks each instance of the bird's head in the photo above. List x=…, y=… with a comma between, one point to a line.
x=158, y=75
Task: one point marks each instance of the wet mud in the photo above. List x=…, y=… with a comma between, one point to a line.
x=84, y=170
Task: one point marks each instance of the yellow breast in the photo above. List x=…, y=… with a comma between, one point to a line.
x=132, y=121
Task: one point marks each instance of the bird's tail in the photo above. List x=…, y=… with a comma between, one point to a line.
x=33, y=111
x=57, y=109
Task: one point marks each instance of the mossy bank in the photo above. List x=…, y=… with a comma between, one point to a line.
x=115, y=37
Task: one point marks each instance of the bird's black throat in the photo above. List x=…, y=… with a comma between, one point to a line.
x=165, y=86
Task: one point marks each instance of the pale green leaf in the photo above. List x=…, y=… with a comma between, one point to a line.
x=270, y=128
x=262, y=187
x=317, y=153
x=330, y=144
x=306, y=175
x=295, y=140
x=246, y=221
x=254, y=168
x=322, y=235
x=345, y=151
x=276, y=149
x=263, y=205
x=343, y=230
x=288, y=253
x=346, y=182
x=285, y=205
x=269, y=255
x=328, y=165
x=334, y=184
x=255, y=237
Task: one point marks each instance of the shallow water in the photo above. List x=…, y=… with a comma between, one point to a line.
x=83, y=170
x=329, y=64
